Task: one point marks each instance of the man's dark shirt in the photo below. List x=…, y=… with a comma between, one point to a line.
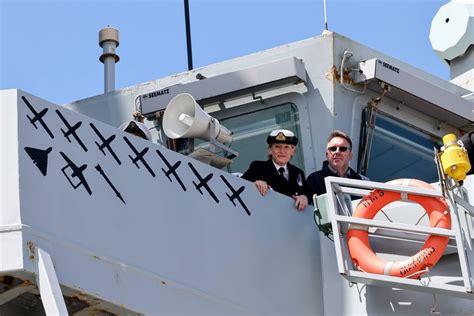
x=468, y=141
x=315, y=181
x=266, y=171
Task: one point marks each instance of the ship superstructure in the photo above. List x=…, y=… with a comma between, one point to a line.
x=96, y=220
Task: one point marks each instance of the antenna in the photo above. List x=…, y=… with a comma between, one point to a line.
x=325, y=16
x=188, y=35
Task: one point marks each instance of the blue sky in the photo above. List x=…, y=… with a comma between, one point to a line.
x=50, y=48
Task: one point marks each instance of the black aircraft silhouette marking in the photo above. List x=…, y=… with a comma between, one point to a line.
x=77, y=172
x=203, y=183
x=71, y=130
x=235, y=194
x=139, y=156
x=102, y=173
x=105, y=143
x=171, y=169
x=38, y=117
x=39, y=157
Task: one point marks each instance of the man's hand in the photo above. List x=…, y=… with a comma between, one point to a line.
x=262, y=187
x=301, y=201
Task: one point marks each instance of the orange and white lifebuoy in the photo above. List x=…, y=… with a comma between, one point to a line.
x=361, y=252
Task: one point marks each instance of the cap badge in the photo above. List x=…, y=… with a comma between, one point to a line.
x=280, y=136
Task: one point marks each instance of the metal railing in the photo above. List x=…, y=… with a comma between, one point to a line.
x=340, y=214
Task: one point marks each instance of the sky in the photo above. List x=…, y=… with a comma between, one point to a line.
x=50, y=48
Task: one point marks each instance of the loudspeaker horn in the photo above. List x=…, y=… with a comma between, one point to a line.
x=184, y=118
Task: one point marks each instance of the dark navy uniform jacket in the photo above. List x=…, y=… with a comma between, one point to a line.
x=266, y=171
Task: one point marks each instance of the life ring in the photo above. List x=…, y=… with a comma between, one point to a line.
x=361, y=252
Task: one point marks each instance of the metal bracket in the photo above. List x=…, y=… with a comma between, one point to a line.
x=373, y=107
x=257, y=97
x=213, y=142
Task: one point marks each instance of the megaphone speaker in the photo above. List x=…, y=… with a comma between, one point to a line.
x=184, y=118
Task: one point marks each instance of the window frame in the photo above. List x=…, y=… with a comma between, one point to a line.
x=246, y=106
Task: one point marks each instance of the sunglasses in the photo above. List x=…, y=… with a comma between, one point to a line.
x=333, y=149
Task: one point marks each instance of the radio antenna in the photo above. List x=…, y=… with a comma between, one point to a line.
x=325, y=17
x=188, y=35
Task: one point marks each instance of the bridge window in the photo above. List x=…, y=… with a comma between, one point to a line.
x=251, y=130
x=399, y=151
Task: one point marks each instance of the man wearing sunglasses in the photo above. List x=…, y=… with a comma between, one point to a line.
x=277, y=173
x=338, y=154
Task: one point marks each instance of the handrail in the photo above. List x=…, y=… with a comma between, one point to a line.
x=339, y=211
